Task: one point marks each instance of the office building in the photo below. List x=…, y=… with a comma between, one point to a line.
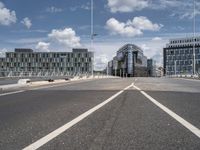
x=129, y=61
x=151, y=68
x=178, y=56
x=27, y=62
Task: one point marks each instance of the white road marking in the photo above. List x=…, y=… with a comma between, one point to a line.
x=68, y=125
x=9, y=93
x=43, y=87
x=182, y=121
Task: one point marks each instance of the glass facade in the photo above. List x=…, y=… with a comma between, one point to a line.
x=129, y=61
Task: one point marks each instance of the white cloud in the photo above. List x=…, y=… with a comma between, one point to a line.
x=154, y=49
x=66, y=36
x=27, y=22
x=3, y=52
x=127, y=5
x=7, y=16
x=53, y=9
x=43, y=46
x=131, y=28
x=181, y=8
x=144, y=23
x=157, y=39
x=86, y=6
x=116, y=27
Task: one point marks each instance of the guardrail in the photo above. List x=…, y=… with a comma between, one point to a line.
x=189, y=76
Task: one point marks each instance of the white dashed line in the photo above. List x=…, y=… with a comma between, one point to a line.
x=182, y=121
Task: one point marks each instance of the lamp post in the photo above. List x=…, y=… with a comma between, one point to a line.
x=194, y=34
x=175, y=67
x=92, y=34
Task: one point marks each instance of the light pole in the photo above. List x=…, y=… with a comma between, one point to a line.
x=175, y=67
x=194, y=34
x=91, y=35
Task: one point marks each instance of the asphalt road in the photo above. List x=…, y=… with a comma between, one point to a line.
x=128, y=121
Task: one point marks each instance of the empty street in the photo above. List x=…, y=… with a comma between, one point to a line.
x=103, y=114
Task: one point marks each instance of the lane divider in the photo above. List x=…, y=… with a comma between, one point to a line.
x=68, y=125
x=178, y=118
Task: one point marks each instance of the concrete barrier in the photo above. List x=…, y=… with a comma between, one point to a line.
x=23, y=81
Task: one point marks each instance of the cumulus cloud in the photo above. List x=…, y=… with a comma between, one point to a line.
x=7, y=16
x=131, y=28
x=43, y=46
x=121, y=28
x=66, y=36
x=144, y=23
x=27, y=22
x=53, y=9
x=127, y=5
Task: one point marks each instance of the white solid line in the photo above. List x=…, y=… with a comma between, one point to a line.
x=63, y=128
x=43, y=87
x=182, y=121
x=15, y=92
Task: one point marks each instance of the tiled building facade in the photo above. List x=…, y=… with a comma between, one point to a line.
x=178, y=56
x=26, y=61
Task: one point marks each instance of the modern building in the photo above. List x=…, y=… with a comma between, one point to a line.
x=151, y=68
x=129, y=61
x=28, y=62
x=178, y=56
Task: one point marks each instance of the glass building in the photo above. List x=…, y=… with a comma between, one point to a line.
x=129, y=61
x=178, y=56
x=28, y=62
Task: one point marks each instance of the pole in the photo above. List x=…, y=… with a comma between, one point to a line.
x=175, y=67
x=107, y=71
x=194, y=34
x=91, y=34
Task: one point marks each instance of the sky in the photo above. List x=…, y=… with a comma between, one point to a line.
x=60, y=25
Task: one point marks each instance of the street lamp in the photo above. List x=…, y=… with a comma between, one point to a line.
x=194, y=34
x=92, y=34
x=175, y=67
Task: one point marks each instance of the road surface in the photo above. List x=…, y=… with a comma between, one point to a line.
x=120, y=115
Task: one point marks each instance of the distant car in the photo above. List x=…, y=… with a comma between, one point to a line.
x=50, y=80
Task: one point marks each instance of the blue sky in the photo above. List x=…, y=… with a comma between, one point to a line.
x=59, y=25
